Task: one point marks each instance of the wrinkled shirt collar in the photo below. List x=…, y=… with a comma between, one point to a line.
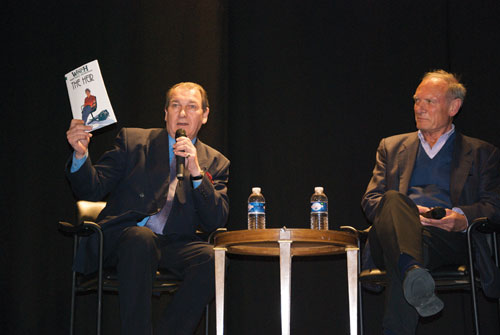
x=432, y=152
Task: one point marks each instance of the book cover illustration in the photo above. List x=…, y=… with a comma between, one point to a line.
x=88, y=97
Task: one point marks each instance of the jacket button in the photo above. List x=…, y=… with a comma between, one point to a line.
x=141, y=195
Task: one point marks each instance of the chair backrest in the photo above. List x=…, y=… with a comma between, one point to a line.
x=89, y=210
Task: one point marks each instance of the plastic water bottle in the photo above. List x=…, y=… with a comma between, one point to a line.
x=319, y=209
x=256, y=210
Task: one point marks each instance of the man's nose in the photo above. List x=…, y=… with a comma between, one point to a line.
x=417, y=107
x=183, y=112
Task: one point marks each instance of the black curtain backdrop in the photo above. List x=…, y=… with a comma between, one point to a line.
x=301, y=93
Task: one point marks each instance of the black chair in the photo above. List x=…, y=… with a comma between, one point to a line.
x=106, y=280
x=448, y=278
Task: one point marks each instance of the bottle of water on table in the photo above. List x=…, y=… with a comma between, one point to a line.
x=256, y=210
x=319, y=209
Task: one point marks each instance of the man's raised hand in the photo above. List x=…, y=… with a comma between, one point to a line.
x=79, y=137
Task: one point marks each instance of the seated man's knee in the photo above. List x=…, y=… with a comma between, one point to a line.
x=395, y=207
x=392, y=199
x=137, y=238
x=392, y=195
x=202, y=258
x=138, y=233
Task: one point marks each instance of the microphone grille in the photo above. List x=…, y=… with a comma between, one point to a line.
x=180, y=132
x=438, y=213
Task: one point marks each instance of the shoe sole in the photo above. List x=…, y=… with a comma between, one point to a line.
x=418, y=288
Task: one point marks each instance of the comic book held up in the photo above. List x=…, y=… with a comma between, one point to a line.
x=88, y=97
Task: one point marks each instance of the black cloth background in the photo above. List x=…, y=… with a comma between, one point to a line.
x=301, y=93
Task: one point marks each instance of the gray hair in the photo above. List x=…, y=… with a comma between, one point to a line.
x=456, y=90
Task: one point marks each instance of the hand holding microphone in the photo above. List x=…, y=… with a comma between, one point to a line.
x=436, y=213
x=184, y=148
x=180, y=161
x=448, y=220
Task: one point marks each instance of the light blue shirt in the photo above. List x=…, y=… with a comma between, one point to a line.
x=76, y=164
x=432, y=152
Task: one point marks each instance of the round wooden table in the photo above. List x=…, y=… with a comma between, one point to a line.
x=286, y=243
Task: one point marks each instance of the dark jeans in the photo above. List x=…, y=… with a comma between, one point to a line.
x=86, y=112
x=396, y=230
x=138, y=255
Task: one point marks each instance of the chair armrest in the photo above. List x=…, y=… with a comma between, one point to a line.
x=484, y=225
x=209, y=237
x=86, y=228
x=350, y=229
x=212, y=235
x=361, y=235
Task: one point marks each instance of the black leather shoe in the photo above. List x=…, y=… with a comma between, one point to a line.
x=418, y=288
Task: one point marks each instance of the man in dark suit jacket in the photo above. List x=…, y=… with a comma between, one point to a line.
x=414, y=172
x=147, y=226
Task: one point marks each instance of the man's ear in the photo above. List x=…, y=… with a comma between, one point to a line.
x=454, y=107
x=205, y=115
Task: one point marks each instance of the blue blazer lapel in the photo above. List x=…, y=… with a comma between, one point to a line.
x=406, y=161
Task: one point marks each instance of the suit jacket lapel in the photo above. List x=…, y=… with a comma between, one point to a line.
x=202, y=155
x=406, y=161
x=460, y=166
x=158, y=165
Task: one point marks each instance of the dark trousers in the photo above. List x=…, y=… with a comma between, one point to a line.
x=396, y=230
x=86, y=112
x=139, y=253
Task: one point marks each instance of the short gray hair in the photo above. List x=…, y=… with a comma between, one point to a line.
x=456, y=90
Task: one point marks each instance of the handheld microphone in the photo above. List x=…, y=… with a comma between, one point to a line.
x=179, y=160
x=436, y=213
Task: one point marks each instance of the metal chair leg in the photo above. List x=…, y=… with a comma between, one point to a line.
x=206, y=318
x=472, y=282
x=495, y=249
x=100, y=282
x=73, y=292
x=360, y=293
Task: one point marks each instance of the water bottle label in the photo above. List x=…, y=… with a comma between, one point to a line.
x=256, y=207
x=319, y=207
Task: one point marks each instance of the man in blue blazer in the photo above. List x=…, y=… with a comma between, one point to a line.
x=151, y=218
x=414, y=172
